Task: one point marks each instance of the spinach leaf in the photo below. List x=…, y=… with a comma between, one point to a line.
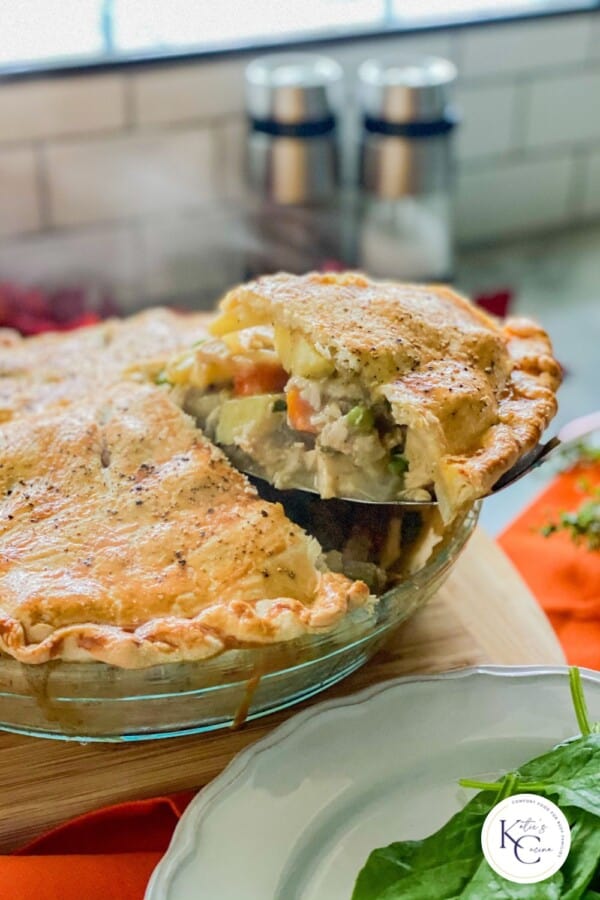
x=449, y=865
x=446, y=858
x=570, y=773
x=581, y=864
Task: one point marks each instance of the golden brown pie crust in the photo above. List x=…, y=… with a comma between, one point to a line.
x=52, y=370
x=476, y=392
x=126, y=537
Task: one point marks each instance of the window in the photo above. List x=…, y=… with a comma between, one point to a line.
x=36, y=32
x=55, y=33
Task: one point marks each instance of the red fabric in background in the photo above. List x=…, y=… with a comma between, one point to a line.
x=152, y=821
x=498, y=302
x=35, y=310
x=110, y=853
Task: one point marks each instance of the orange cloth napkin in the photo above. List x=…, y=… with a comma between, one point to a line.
x=112, y=852
x=109, y=853
x=564, y=577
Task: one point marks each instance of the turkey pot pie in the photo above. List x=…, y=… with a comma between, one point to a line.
x=366, y=389
x=127, y=537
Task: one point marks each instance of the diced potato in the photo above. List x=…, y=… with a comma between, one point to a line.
x=207, y=372
x=253, y=345
x=207, y=364
x=250, y=340
x=299, y=357
x=236, y=318
x=238, y=413
x=178, y=371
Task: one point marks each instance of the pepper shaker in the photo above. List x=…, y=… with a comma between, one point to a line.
x=292, y=162
x=406, y=168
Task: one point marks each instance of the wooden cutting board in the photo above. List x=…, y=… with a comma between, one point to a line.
x=483, y=614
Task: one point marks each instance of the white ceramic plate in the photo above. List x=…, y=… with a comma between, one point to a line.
x=295, y=816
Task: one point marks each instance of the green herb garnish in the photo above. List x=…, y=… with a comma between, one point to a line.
x=161, y=378
x=279, y=405
x=361, y=418
x=583, y=525
x=449, y=865
x=398, y=464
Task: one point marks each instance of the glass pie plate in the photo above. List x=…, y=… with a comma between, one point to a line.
x=97, y=702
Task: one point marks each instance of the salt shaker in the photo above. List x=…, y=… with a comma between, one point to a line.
x=406, y=168
x=292, y=162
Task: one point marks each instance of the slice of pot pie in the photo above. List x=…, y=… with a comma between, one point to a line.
x=366, y=389
x=126, y=537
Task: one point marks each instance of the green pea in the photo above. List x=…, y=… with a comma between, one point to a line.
x=398, y=464
x=360, y=417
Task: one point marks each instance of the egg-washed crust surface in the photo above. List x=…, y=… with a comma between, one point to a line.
x=477, y=392
x=53, y=370
x=126, y=537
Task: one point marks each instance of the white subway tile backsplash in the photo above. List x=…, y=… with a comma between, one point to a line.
x=230, y=158
x=486, y=120
x=187, y=92
x=595, y=38
x=49, y=108
x=128, y=176
x=19, y=203
x=351, y=55
x=105, y=258
x=165, y=146
x=510, y=198
x=195, y=257
x=591, y=190
x=564, y=110
x=213, y=89
x=524, y=47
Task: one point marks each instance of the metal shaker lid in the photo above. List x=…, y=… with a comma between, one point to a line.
x=292, y=88
x=409, y=89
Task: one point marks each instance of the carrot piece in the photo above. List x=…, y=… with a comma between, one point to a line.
x=259, y=378
x=299, y=411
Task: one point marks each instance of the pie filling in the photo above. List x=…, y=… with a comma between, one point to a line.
x=281, y=410
x=379, y=545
